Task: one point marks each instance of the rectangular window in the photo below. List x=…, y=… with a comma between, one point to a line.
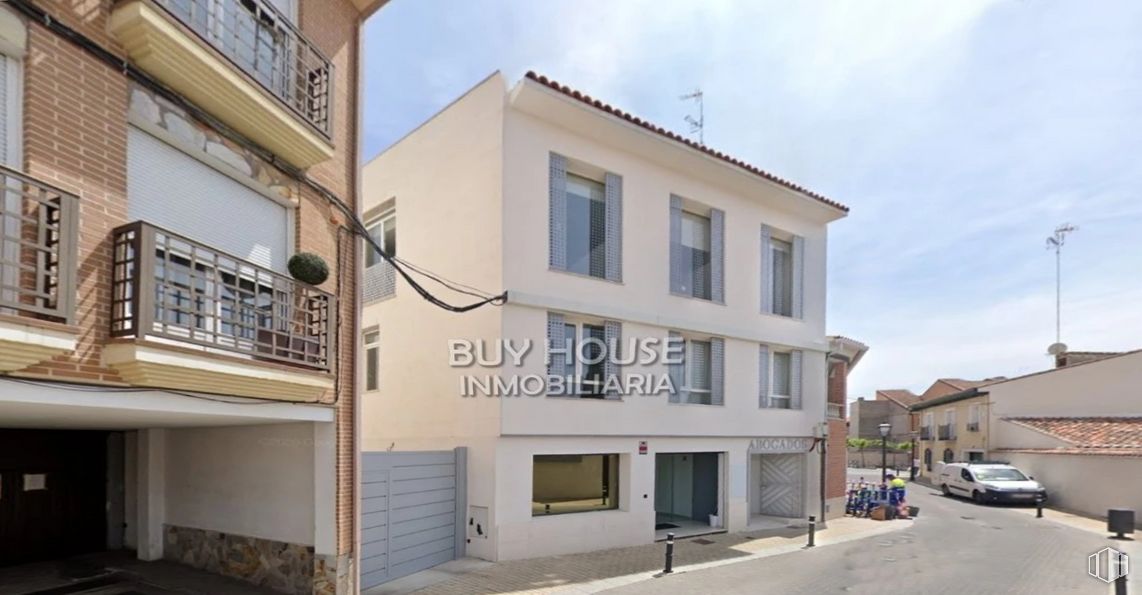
x=781, y=258
x=973, y=414
x=698, y=387
x=563, y=484
x=372, y=360
x=587, y=372
x=384, y=233
x=782, y=393
x=695, y=254
x=928, y=421
x=586, y=226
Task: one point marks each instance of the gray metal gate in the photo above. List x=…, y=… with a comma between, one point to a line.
x=412, y=512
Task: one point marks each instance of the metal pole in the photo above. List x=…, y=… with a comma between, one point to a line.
x=1038, y=507
x=883, y=459
x=1059, y=293
x=669, y=554
x=1120, y=582
x=812, y=531
x=1120, y=585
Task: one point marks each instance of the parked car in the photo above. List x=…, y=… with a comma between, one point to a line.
x=989, y=482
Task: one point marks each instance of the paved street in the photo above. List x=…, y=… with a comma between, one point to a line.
x=953, y=547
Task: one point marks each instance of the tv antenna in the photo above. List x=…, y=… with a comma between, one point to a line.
x=696, y=125
x=1056, y=241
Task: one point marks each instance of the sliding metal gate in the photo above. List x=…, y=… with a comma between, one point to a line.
x=412, y=511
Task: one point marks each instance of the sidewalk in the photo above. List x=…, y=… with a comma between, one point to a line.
x=597, y=571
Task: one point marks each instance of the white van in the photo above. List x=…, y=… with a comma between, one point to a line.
x=989, y=482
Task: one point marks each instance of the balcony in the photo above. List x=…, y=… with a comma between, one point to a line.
x=926, y=433
x=973, y=426
x=240, y=60
x=37, y=270
x=835, y=410
x=946, y=432
x=207, y=321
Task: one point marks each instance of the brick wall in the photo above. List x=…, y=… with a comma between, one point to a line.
x=836, y=454
x=75, y=136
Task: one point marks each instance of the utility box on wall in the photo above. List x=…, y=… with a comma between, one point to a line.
x=477, y=522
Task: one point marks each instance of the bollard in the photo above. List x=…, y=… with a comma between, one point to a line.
x=1038, y=507
x=812, y=531
x=1120, y=585
x=669, y=554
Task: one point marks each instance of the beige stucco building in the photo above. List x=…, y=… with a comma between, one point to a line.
x=599, y=225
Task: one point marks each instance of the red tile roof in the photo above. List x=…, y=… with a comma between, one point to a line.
x=1120, y=436
x=901, y=396
x=587, y=99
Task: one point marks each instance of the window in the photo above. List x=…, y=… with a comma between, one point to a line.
x=584, y=219
x=949, y=456
x=973, y=414
x=779, y=376
x=384, y=233
x=782, y=273
x=695, y=255
x=928, y=459
x=781, y=258
x=587, y=372
x=586, y=226
x=929, y=421
x=782, y=392
x=563, y=484
x=697, y=377
x=372, y=360
x=965, y=474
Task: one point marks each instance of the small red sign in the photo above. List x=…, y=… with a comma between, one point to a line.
x=642, y=447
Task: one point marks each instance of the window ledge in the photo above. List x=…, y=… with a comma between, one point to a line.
x=699, y=299
x=723, y=405
x=574, y=398
x=783, y=317
x=582, y=276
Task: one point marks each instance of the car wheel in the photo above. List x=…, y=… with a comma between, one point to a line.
x=977, y=496
x=944, y=489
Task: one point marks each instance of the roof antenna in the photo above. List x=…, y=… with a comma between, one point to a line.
x=1056, y=241
x=698, y=124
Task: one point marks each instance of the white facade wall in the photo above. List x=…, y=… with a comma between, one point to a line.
x=256, y=481
x=1083, y=484
x=471, y=194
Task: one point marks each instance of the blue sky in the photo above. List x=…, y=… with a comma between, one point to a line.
x=960, y=134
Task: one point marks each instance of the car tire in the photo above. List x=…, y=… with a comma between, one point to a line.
x=977, y=496
x=944, y=489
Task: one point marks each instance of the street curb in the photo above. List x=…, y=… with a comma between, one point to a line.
x=881, y=528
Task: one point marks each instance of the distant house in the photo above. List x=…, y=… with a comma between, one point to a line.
x=1076, y=428
x=889, y=406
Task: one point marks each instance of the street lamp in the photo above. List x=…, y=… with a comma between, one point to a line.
x=884, y=428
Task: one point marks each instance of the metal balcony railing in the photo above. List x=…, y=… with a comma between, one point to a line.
x=925, y=432
x=37, y=248
x=835, y=410
x=264, y=44
x=973, y=426
x=946, y=432
x=168, y=286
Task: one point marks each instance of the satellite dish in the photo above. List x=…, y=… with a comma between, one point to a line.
x=1057, y=348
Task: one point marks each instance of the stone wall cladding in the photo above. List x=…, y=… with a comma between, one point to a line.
x=284, y=567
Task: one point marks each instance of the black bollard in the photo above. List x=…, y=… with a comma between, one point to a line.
x=1120, y=585
x=1038, y=507
x=812, y=531
x=669, y=554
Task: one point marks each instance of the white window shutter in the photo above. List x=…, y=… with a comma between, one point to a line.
x=676, y=269
x=717, y=371
x=717, y=256
x=614, y=232
x=5, y=117
x=763, y=376
x=557, y=212
x=766, y=270
x=795, y=379
x=798, y=277
x=556, y=339
x=613, y=336
x=677, y=374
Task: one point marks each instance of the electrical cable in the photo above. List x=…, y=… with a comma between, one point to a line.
x=357, y=226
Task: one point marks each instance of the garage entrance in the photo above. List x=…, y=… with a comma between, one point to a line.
x=687, y=493
x=780, y=485
x=412, y=511
x=53, y=494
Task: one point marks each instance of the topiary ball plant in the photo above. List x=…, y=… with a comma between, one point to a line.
x=308, y=267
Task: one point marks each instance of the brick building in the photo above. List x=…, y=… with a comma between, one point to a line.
x=844, y=355
x=166, y=386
